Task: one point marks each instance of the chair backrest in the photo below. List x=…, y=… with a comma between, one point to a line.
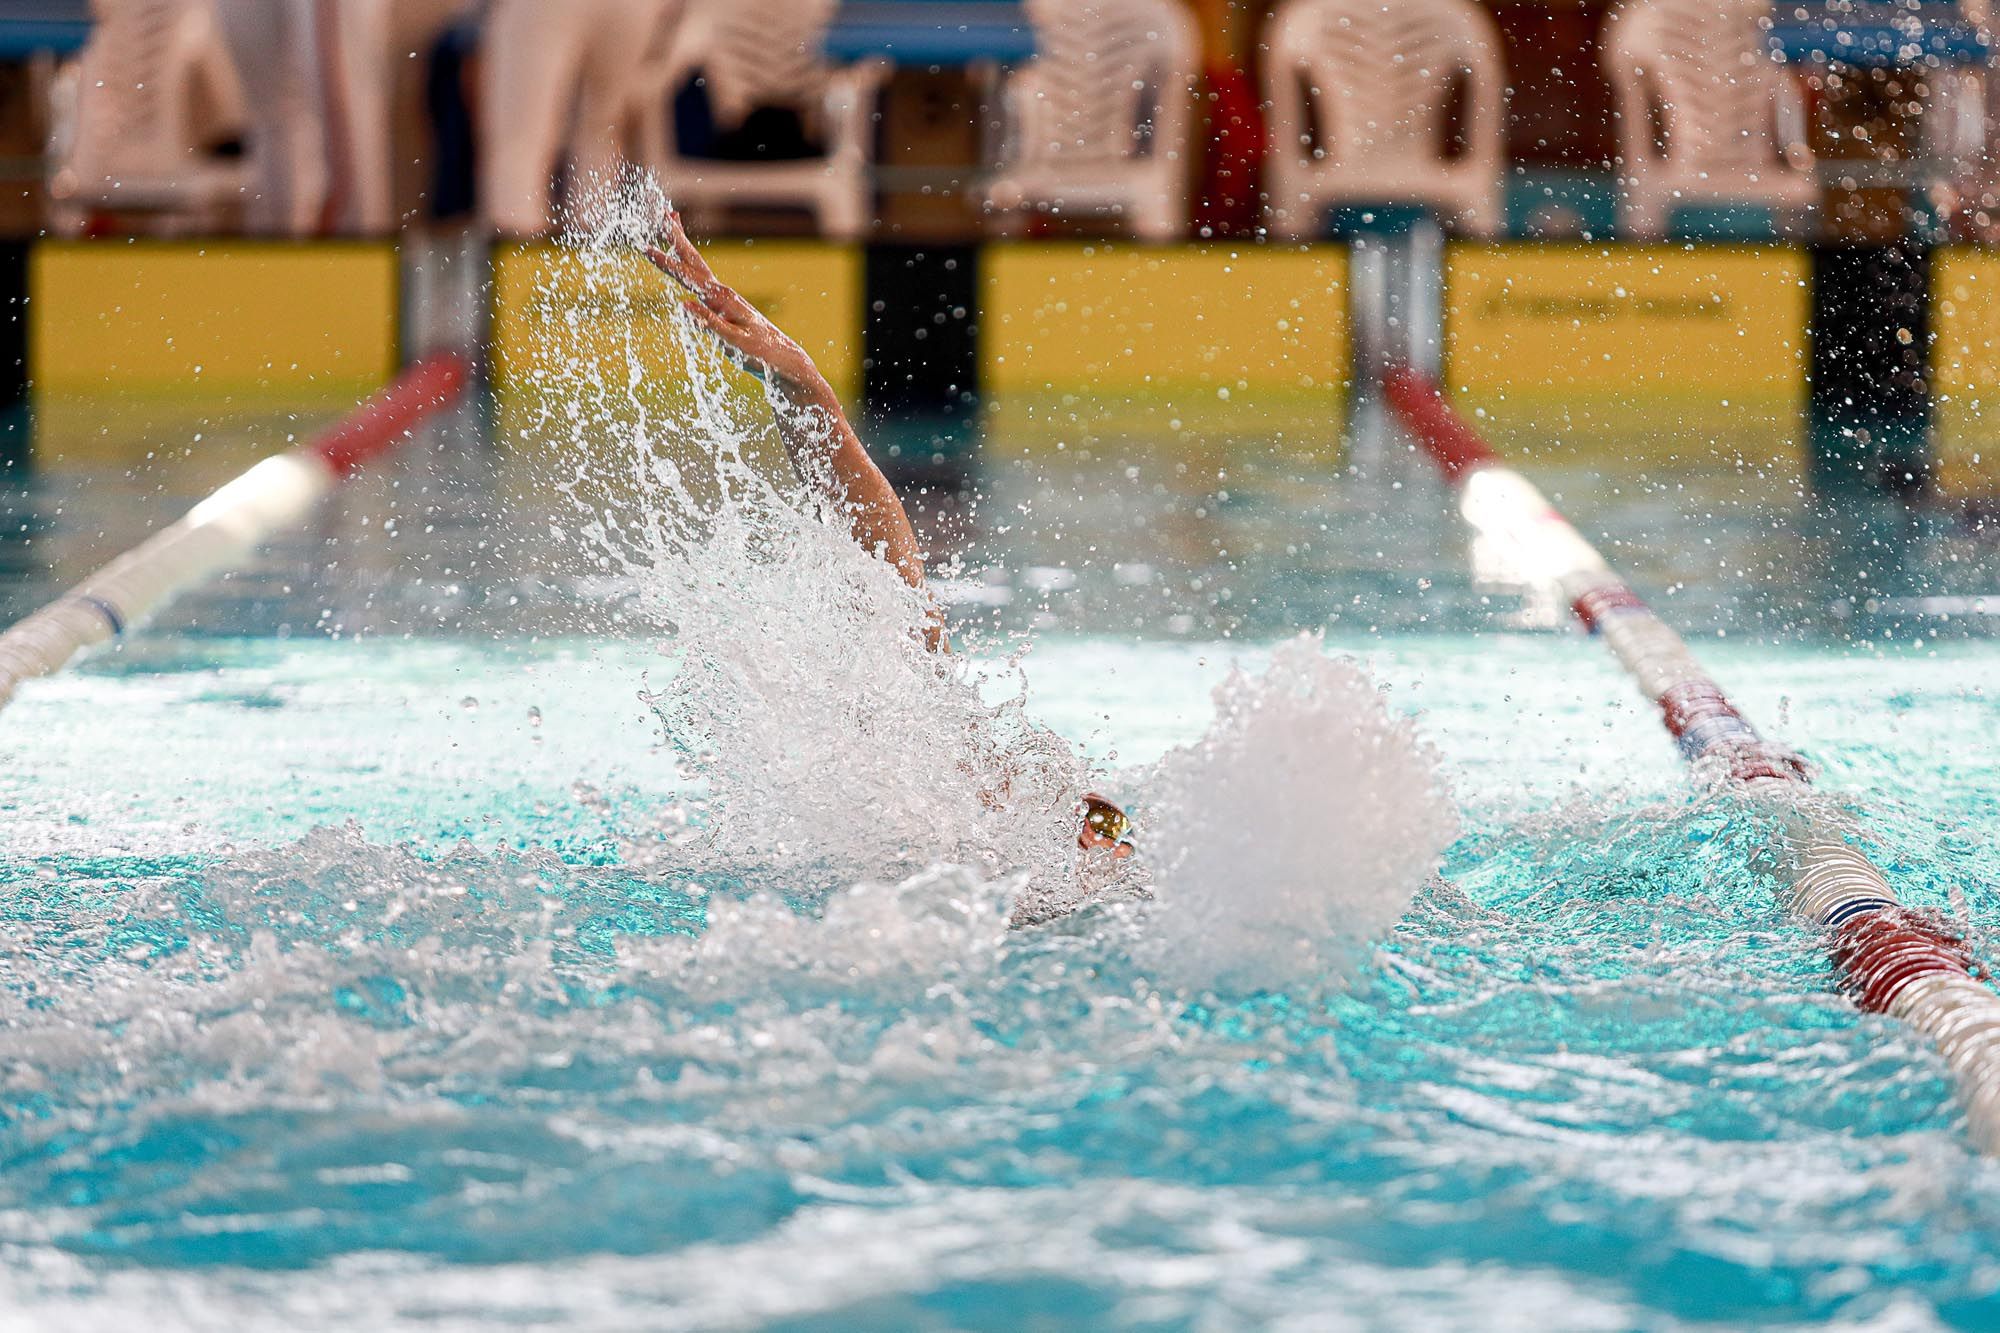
x=1378, y=76
x=1104, y=79
x=1697, y=69
x=756, y=53
x=147, y=70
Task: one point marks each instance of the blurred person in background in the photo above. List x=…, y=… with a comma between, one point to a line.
x=560, y=90
x=279, y=56
x=374, y=79
x=321, y=78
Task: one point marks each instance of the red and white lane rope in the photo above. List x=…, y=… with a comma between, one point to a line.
x=1892, y=960
x=223, y=529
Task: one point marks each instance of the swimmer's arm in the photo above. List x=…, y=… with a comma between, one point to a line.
x=813, y=424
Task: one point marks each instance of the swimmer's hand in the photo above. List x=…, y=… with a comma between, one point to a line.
x=821, y=442
x=763, y=347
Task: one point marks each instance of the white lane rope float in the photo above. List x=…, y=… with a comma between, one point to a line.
x=1890, y=959
x=223, y=529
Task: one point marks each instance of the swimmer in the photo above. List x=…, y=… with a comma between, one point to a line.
x=826, y=452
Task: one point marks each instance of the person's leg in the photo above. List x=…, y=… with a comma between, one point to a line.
x=379, y=41
x=360, y=69
x=392, y=148
x=605, y=111
x=277, y=58
x=532, y=51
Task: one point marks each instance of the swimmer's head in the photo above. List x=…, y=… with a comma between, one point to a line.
x=1105, y=827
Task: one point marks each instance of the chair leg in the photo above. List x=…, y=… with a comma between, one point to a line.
x=699, y=209
x=1645, y=216
x=1156, y=216
x=603, y=118
x=1293, y=222
x=276, y=46
x=1006, y=223
x=842, y=206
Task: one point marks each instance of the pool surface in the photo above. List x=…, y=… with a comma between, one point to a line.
x=375, y=954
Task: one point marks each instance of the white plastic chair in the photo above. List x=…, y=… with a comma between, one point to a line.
x=755, y=53
x=153, y=87
x=1359, y=92
x=1960, y=128
x=1097, y=122
x=1733, y=120
x=561, y=81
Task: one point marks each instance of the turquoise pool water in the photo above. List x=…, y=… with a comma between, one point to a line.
x=362, y=966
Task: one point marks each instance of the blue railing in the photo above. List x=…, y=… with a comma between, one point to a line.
x=1874, y=34
x=29, y=26
x=931, y=32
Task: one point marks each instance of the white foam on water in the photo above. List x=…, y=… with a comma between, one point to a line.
x=1296, y=830
x=334, y=970
x=940, y=922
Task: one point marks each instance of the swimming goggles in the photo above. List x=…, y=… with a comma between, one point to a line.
x=1105, y=820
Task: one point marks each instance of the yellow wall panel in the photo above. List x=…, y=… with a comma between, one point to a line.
x=586, y=350
x=1965, y=368
x=560, y=313
x=1229, y=335
x=213, y=319
x=1690, y=352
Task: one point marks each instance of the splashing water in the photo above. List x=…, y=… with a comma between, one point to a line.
x=833, y=747
x=1297, y=830
x=830, y=745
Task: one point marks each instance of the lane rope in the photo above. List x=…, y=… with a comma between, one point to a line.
x=223, y=529
x=1890, y=958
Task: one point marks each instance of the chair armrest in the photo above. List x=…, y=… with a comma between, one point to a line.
x=1020, y=98
x=1287, y=113
x=850, y=97
x=1789, y=125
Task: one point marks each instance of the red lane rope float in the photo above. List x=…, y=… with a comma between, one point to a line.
x=1890, y=959
x=384, y=421
x=223, y=529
